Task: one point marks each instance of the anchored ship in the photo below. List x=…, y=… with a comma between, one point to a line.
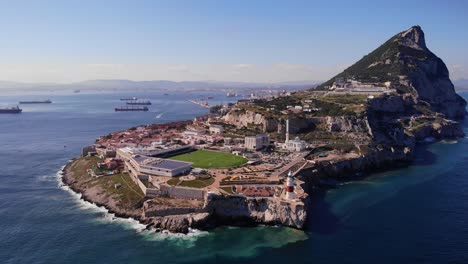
x=141, y=102
x=128, y=99
x=48, y=101
x=11, y=110
x=131, y=108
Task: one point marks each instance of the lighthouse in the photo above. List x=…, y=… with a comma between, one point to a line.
x=290, y=187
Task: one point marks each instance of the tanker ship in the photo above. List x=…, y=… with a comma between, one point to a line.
x=139, y=102
x=131, y=108
x=11, y=110
x=48, y=101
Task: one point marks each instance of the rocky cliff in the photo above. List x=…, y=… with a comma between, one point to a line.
x=239, y=209
x=249, y=118
x=381, y=158
x=408, y=65
x=230, y=210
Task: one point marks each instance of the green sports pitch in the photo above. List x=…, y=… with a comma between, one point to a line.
x=211, y=159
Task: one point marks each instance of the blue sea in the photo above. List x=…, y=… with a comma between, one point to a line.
x=417, y=214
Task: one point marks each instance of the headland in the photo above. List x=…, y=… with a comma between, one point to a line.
x=257, y=161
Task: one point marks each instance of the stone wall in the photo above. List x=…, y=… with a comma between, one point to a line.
x=182, y=192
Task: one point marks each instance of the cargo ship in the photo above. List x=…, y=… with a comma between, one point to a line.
x=131, y=108
x=141, y=102
x=128, y=99
x=48, y=101
x=11, y=110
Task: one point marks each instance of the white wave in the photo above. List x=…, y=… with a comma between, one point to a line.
x=447, y=141
x=46, y=178
x=105, y=217
x=159, y=116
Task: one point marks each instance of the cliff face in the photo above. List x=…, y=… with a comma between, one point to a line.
x=429, y=75
x=257, y=210
x=230, y=210
x=248, y=118
x=411, y=68
x=438, y=129
x=345, y=169
x=347, y=124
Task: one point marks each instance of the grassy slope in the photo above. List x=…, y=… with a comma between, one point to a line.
x=128, y=195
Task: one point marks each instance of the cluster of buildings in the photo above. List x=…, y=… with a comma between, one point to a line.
x=353, y=86
x=143, y=152
x=295, y=145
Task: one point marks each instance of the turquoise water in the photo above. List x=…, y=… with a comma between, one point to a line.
x=417, y=214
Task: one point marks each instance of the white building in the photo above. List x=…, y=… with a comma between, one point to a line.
x=295, y=145
x=145, y=166
x=216, y=129
x=194, y=132
x=257, y=142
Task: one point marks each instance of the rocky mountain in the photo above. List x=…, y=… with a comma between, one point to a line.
x=406, y=62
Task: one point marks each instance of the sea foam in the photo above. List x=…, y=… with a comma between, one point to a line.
x=106, y=217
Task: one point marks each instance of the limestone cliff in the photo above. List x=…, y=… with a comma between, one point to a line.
x=406, y=62
x=229, y=210
x=238, y=209
x=247, y=118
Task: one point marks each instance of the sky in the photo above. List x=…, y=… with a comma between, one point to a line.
x=249, y=41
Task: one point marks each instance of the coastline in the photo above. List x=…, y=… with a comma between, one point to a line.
x=217, y=211
x=92, y=196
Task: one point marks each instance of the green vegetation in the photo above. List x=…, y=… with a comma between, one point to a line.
x=211, y=159
x=227, y=189
x=279, y=103
x=322, y=149
x=385, y=66
x=197, y=183
x=81, y=165
x=424, y=109
x=216, y=109
x=128, y=194
x=346, y=98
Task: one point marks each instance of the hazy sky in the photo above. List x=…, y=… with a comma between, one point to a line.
x=261, y=41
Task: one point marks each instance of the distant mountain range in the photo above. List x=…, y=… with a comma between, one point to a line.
x=461, y=84
x=157, y=85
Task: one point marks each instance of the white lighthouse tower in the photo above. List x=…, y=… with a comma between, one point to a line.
x=290, y=187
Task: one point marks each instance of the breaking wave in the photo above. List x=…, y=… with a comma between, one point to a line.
x=106, y=217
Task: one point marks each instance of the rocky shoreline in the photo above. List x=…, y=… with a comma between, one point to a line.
x=243, y=211
x=95, y=195
x=367, y=132
x=217, y=210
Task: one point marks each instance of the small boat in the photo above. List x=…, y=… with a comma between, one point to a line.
x=11, y=110
x=76, y=91
x=128, y=99
x=48, y=101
